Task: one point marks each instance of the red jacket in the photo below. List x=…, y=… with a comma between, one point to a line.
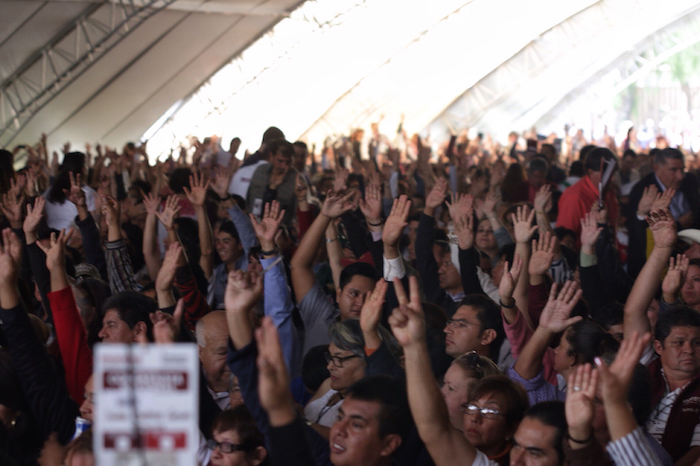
x=72, y=341
x=577, y=201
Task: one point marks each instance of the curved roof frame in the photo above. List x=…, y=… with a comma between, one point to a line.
x=568, y=59
x=66, y=57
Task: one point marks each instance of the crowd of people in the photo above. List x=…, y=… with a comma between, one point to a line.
x=375, y=304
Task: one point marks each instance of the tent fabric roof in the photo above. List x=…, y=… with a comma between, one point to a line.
x=94, y=70
x=161, y=54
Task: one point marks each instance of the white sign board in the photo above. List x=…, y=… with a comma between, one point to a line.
x=146, y=405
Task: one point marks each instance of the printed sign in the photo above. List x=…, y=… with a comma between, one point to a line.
x=146, y=405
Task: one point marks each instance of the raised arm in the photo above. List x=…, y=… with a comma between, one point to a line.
x=523, y=231
x=243, y=291
x=303, y=277
x=629, y=444
x=554, y=319
x=278, y=298
x=70, y=332
x=197, y=194
x=119, y=270
x=393, y=229
x=663, y=229
x=446, y=445
x=150, y=235
x=166, y=276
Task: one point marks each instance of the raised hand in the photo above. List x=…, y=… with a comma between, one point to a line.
x=616, y=379
x=267, y=228
x=542, y=254
x=12, y=209
x=151, y=202
x=55, y=253
x=371, y=205
x=664, y=200
x=408, y=321
x=437, y=194
x=651, y=194
x=273, y=380
x=75, y=194
x=197, y=192
x=589, y=233
x=336, y=204
x=522, y=224
x=34, y=214
x=510, y=279
x=464, y=229
x=580, y=401
x=242, y=291
x=371, y=314
x=663, y=228
x=166, y=327
x=395, y=223
x=170, y=212
x=10, y=256
x=166, y=274
x=462, y=204
x=543, y=199
x=341, y=179
x=555, y=315
x=675, y=277
x=222, y=180
x=111, y=209
x=601, y=214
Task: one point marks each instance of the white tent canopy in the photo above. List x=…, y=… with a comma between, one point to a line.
x=109, y=71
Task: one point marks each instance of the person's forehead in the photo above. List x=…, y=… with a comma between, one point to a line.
x=223, y=235
x=335, y=351
x=367, y=410
x=360, y=282
x=112, y=315
x=465, y=312
x=684, y=332
x=532, y=433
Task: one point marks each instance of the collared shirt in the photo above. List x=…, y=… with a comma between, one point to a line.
x=658, y=420
x=679, y=206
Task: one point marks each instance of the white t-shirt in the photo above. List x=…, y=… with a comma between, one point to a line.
x=241, y=179
x=59, y=216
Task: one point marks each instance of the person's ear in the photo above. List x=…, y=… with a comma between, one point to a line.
x=258, y=455
x=658, y=346
x=390, y=444
x=140, y=332
x=488, y=336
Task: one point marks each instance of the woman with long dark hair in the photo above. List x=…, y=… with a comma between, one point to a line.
x=59, y=213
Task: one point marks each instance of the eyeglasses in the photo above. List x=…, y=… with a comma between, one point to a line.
x=460, y=323
x=337, y=360
x=225, y=447
x=488, y=413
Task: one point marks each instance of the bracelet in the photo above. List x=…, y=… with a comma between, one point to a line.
x=374, y=224
x=580, y=442
x=541, y=212
x=330, y=240
x=507, y=307
x=169, y=229
x=271, y=252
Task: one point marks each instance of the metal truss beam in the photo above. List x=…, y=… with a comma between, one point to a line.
x=66, y=57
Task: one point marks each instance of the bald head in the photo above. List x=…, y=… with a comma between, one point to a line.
x=212, y=338
x=212, y=325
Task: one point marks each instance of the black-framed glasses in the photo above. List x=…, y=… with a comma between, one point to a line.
x=460, y=323
x=337, y=360
x=488, y=413
x=225, y=447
